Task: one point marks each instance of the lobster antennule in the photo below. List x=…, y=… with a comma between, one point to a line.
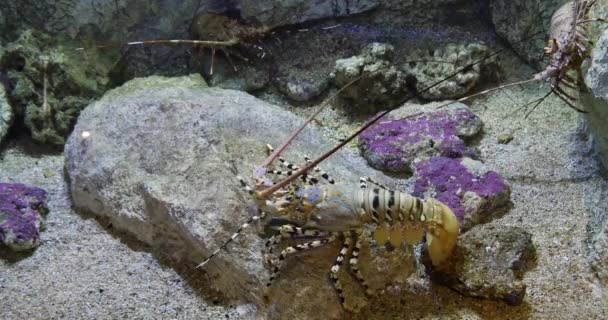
x=275, y=153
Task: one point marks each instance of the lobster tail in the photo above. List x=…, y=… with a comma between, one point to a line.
x=442, y=233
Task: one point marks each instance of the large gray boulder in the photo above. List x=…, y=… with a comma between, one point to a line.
x=158, y=157
x=596, y=102
x=6, y=114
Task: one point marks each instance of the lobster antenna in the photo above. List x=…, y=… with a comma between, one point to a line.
x=263, y=194
x=227, y=43
x=293, y=134
x=487, y=91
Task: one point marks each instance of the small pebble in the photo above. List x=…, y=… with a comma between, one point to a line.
x=504, y=138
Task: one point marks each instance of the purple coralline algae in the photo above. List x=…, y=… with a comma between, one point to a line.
x=464, y=185
x=394, y=144
x=21, y=210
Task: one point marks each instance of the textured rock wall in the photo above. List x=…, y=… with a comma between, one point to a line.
x=596, y=102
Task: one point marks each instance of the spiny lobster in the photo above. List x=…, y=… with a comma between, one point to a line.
x=219, y=33
x=567, y=47
x=334, y=211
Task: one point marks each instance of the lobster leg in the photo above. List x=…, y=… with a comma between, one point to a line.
x=564, y=97
x=346, y=246
x=290, y=231
x=354, y=262
x=364, y=180
x=259, y=216
x=323, y=174
x=227, y=55
x=212, y=61
x=536, y=102
x=298, y=248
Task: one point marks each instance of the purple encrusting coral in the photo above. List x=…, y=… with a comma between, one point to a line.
x=21, y=208
x=470, y=194
x=393, y=145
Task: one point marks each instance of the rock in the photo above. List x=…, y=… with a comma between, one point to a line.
x=108, y=21
x=596, y=101
x=489, y=262
x=6, y=114
x=51, y=109
x=284, y=12
x=21, y=210
x=429, y=68
x=516, y=20
x=301, y=88
x=248, y=78
x=381, y=84
x=599, y=255
x=504, y=138
x=465, y=185
x=394, y=143
x=158, y=158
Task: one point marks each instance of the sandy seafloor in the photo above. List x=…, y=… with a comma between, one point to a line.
x=82, y=271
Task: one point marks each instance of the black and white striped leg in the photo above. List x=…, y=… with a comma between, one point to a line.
x=293, y=249
x=261, y=215
x=289, y=231
x=253, y=219
x=291, y=168
x=354, y=262
x=244, y=185
x=364, y=180
x=306, y=177
x=333, y=274
x=322, y=173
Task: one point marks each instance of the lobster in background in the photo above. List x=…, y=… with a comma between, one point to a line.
x=567, y=48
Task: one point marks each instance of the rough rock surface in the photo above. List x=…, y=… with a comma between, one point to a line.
x=381, y=84
x=599, y=258
x=282, y=12
x=596, y=102
x=21, y=210
x=596, y=79
x=6, y=113
x=393, y=144
x=158, y=158
x=51, y=83
x=516, y=20
x=467, y=186
x=489, y=262
x=301, y=88
x=431, y=67
x=107, y=21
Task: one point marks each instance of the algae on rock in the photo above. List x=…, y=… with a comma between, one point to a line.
x=51, y=82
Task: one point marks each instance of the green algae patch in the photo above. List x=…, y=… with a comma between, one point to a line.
x=50, y=82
